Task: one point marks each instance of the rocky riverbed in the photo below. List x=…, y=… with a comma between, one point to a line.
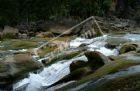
x=87, y=57
x=87, y=64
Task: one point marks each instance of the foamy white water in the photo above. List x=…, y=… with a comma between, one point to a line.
x=48, y=76
x=78, y=41
x=96, y=44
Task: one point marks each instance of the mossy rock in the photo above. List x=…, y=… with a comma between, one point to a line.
x=127, y=83
x=111, y=67
x=77, y=64
x=127, y=48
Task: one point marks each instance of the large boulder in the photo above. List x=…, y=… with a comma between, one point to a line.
x=14, y=67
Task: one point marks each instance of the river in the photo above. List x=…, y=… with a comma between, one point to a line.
x=53, y=73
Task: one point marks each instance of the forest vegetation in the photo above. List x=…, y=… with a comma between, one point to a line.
x=13, y=12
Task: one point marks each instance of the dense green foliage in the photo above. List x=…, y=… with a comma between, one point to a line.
x=15, y=11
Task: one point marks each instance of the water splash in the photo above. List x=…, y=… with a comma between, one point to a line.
x=47, y=77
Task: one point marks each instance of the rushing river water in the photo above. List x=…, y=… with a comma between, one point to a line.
x=53, y=73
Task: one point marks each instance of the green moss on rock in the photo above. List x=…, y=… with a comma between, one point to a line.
x=127, y=83
x=111, y=67
x=127, y=48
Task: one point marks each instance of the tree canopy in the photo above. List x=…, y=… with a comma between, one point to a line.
x=15, y=11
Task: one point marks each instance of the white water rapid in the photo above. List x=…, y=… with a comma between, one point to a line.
x=53, y=73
